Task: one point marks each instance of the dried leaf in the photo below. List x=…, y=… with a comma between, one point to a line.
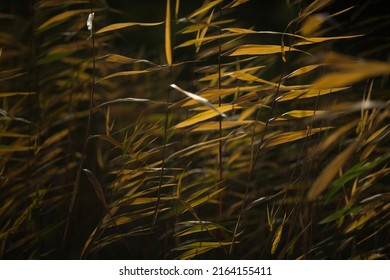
x=117, y=26
x=258, y=50
x=205, y=116
x=205, y=8
x=287, y=137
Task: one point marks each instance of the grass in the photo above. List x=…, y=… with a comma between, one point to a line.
x=223, y=140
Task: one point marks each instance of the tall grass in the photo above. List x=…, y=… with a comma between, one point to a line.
x=223, y=140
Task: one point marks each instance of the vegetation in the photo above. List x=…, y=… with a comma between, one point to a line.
x=192, y=132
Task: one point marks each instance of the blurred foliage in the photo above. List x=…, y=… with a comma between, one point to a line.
x=216, y=129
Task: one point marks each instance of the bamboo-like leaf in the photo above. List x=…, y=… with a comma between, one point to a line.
x=354, y=172
x=203, y=32
x=298, y=114
x=14, y=135
x=98, y=188
x=308, y=93
x=209, y=126
x=330, y=171
x=129, y=99
x=126, y=73
x=177, y=8
x=205, y=8
x=258, y=50
x=349, y=71
x=287, y=137
x=168, y=46
x=277, y=236
x=302, y=71
x=199, y=99
x=367, y=215
x=116, y=26
x=205, y=116
x=6, y=148
x=199, y=41
x=312, y=24
x=9, y=94
x=123, y=59
x=61, y=17
x=235, y=3
x=315, y=6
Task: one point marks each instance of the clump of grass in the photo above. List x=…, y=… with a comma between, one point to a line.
x=223, y=141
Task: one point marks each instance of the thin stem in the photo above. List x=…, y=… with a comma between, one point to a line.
x=87, y=134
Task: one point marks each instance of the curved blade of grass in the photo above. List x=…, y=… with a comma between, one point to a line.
x=288, y=137
x=116, y=26
x=205, y=8
x=123, y=59
x=330, y=171
x=258, y=50
x=168, y=46
x=62, y=17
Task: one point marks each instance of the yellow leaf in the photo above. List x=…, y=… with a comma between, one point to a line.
x=258, y=50
x=198, y=41
x=177, y=8
x=327, y=175
x=168, y=47
x=302, y=70
x=292, y=136
x=117, y=26
x=277, y=236
x=205, y=8
x=368, y=215
x=235, y=3
x=215, y=125
x=205, y=116
x=352, y=75
x=297, y=114
x=203, y=32
x=126, y=73
x=312, y=24
x=301, y=94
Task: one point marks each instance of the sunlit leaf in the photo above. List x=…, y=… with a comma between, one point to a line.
x=349, y=71
x=258, y=50
x=205, y=116
x=277, y=236
x=205, y=8
x=302, y=71
x=308, y=93
x=117, y=26
x=209, y=126
x=168, y=47
x=199, y=41
x=287, y=137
